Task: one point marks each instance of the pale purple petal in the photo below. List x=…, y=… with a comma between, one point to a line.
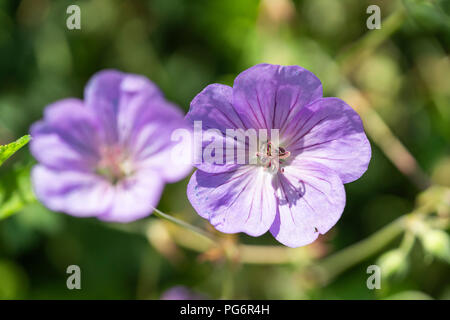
x=172, y=165
x=145, y=122
x=311, y=199
x=67, y=137
x=213, y=107
x=109, y=91
x=235, y=201
x=140, y=119
x=135, y=197
x=73, y=192
x=145, y=108
x=330, y=132
x=268, y=96
x=147, y=130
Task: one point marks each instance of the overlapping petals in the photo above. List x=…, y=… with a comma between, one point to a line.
x=108, y=156
x=235, y=201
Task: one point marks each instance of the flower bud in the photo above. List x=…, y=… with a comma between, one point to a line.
x=392, y=262
x=437, y=243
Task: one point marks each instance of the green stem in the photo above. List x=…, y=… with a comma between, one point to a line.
x=228, y=285
x=407, y=242
x=331, y=266
x=185, y=225
x=371, y=40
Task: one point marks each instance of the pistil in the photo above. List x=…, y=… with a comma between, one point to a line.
x=271, y=157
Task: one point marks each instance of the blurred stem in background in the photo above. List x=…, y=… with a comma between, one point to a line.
x=380, y=133
x=371, y=41
x=374, y=125
x=326, y=269
x=333, y=265
x=185, y=225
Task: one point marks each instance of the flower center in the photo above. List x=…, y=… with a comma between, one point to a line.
x=271, y=157
x=113, y=164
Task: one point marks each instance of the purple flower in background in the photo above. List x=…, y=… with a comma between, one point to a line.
x=295, y=188
x=108, y=156
x=181, y=293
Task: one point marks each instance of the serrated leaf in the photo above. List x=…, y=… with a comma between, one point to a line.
x=8, y=150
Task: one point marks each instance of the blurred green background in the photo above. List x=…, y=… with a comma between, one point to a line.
x=402, y=70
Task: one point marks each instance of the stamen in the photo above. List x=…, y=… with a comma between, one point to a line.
x=271, y=157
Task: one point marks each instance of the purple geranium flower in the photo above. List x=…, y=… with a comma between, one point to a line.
x=295, y=188
x=108, y=156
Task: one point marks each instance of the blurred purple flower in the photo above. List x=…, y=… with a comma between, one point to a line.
x=108, y=156
x=295, y=190
x=181, y=293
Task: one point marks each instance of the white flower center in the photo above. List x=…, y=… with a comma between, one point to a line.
x=114, y=164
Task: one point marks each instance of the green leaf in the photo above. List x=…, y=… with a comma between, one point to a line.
x=428, y=14
x=8, y=150
x=15, y=190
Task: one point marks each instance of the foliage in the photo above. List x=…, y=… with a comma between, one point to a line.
x=8, y=150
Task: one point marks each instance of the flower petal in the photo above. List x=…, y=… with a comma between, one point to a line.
x=213, y=107
x=68, y=136
x=108, y=91
x=144, y=109
x=268, y=96
x=135, y=197
x=76, y=193
x=137, y=116
x=311, y=199
x=236, y=201
x=147, y=130
x=172, y=162
x=330, y=132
